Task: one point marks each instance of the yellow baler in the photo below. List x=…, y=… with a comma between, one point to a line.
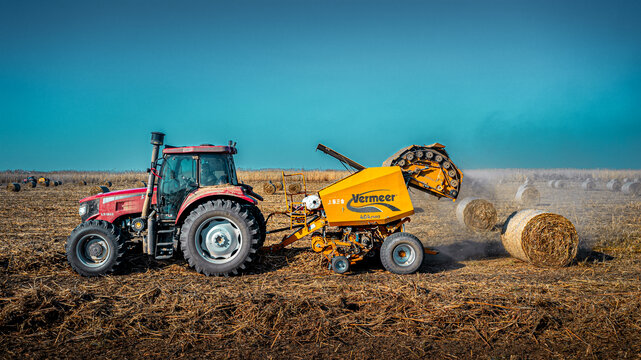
x=363, y=214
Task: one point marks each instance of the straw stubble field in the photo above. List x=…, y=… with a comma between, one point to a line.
x=470, y=301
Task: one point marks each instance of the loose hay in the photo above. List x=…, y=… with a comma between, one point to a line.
x=540, y=238
x=476, y=214
x=15, y=187
x=98, y=189
x=527, y=195
x=269, y=188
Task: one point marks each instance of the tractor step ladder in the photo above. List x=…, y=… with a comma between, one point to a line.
x=165, y=247
x=293, y=196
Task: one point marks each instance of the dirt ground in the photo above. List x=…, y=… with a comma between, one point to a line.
x=470, y=301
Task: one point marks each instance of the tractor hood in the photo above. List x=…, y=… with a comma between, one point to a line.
x=120, y=194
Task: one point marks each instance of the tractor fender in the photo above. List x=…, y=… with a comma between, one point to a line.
x=207, y=193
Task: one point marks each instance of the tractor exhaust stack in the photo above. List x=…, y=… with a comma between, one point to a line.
x=157, y=141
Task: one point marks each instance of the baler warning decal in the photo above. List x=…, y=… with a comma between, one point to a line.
x=371, y=202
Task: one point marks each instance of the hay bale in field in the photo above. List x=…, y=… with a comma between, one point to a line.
x=82, y=183
x=540, y=238
x=269, y=188
x=32, y=184
x=107, y=183
x=55, y=183
x=294, y=188
x=47, y=183
x=279, y=185
x=528, y=181
x=631, y=188
x=14, y=187
x=98, y=189
x=559, y=184
x=476, y=214
x=588, y=184
x=613, y=185
x=551, y=183
x=141, y=183
x=527, y=195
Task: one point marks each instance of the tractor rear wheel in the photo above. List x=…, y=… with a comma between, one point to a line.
x=95, y=248
x=402, y=253
x=220, y=237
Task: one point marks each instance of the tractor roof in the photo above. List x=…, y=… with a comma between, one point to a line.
x=199, y=149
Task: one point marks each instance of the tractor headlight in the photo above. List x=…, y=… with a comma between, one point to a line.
x=88, y=209
x=82, y=210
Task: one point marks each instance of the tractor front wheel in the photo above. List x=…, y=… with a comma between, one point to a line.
x=402, y=253
x=95, y=248
x=220, y=237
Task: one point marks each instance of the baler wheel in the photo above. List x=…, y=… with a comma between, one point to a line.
x=95, y=248
x=340, y=264
x=402, y=253
x=220, y=237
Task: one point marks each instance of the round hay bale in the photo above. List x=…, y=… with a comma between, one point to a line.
x=551, y=183
x=625, y=180
x=82, y=183
x=294, y=188
x=141, y=183
x=613, y=185
x=559, y=184
x=269, y=188
x=528, y=181
x=631, y=188
x=47, y=183
x=540, y=238
x=476, y=214
x=55, y=183
x=588, y=185
x=32, y=184
x=14, y=187
x=98, y=189
x=107, y=183
x=527, y=195
x=279, y=185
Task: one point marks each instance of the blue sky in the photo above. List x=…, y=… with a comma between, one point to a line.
x=500, y=83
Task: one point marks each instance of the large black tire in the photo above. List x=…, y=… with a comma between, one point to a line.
x=262, y=224
x=95, y=248
x=238, y=246
x=402, y=253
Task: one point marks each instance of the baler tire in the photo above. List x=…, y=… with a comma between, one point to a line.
x=240, y=218
x=401, y=241
x=106, y=234
x=340, y=264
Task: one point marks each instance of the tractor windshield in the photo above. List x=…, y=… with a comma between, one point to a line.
x=217, y=169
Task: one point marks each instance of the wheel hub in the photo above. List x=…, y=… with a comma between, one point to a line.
x=403, y=255
x=219, y=239
x=92, y=250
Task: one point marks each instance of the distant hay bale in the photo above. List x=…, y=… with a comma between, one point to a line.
x=559, y=184
x=32, y=184
x=82, y=183
x=614, y=185
x=294, y=188
x=269, y=188
x=107, y=183
x=47, y=182
x=14, y=187
x=98, y=189
x=476, y=214
x=527, y=195
x=279, y=185
x=588, y=184
x=551, y=183
x=55, y=183
x=141, y=183
x=540, y=238
x=631, y=188
x=528, y=181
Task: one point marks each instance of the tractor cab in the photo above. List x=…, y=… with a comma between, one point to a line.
x=185, y=169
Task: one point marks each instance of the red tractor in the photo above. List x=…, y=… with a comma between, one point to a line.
x=198, y=206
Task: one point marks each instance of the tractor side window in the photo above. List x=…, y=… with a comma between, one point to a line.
x=178, y=179
x=216, y=169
